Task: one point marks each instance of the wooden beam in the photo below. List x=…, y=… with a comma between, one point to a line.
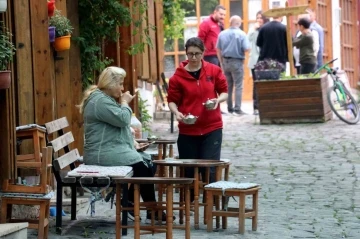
x=62, y=89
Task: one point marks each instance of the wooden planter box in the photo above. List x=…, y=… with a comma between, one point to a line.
x=293, y=101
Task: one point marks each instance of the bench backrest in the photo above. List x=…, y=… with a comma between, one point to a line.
x=61, y=142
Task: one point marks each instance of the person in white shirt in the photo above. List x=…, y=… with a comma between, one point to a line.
x=316, y=45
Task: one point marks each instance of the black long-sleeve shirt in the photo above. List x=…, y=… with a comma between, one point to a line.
x=272, y=42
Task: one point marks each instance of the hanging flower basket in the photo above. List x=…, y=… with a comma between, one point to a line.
x=52, y=34
x=3, y=5
x=5, y=79
x=62, y=43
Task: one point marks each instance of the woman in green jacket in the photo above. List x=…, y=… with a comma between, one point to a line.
x=108, y=137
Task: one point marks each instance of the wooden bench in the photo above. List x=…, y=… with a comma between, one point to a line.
x=81, y=176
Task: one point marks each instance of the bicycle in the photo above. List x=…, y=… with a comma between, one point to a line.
x=341, y=102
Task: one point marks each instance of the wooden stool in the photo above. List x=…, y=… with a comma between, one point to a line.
x=37, y=134
x=169, y=182
x=239, y=212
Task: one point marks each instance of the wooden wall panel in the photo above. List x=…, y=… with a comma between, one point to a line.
x=44, y=107
x=62, y=89
x=127, y=61
x=152, y=50
x=159, y=21
x=76, y=122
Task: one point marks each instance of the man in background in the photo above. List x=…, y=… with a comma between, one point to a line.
x=231, y=47
x=272, y=41
x=209, y=31
x=316, y=26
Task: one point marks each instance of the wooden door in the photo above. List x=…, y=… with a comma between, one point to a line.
x=247, y=10
x=349, y=39
x=324, y=18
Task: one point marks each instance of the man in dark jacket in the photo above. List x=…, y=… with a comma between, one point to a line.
x=272, y=41
x=209, y=31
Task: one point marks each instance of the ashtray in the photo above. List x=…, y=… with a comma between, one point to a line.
x=189, y=119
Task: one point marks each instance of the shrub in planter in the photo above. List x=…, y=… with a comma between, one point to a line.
x=268, y=69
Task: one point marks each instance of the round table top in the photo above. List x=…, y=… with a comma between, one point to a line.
x=155, y=180
x=189, y=162
x=157, y=141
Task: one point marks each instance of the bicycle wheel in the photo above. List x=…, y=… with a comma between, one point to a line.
x=344, y=106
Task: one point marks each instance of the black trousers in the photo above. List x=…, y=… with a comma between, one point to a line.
x=147, y=191
x=306, y=68
x=255, y=97
x=206, y=146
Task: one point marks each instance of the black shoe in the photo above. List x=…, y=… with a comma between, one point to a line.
x=163, y=217
x=239, y=113
x=110, y=195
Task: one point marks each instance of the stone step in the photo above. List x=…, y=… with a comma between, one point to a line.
x=14, y=230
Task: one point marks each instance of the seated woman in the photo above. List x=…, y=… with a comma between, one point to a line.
x=108, y=137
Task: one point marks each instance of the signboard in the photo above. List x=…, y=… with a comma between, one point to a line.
x=288, y=11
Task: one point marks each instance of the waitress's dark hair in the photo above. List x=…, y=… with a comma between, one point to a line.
x=265, y=19
x=196, y=42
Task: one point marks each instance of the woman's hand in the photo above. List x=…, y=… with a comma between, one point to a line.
x=127, y=97
x=136, y=144
x=216, y=104
x=179, y=116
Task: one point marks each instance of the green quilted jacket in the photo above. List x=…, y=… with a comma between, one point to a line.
x=108, y=139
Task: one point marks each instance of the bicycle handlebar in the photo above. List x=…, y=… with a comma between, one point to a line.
x=325, y=66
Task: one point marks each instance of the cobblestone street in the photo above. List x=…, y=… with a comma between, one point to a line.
x=309, y=175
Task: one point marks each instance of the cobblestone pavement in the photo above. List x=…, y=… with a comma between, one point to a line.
x=308, y=175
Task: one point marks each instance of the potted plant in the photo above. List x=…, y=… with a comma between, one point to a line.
x=3, y=5
x=7, y=50
x=63, y=30
x=268, y=69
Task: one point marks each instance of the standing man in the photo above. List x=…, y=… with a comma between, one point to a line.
x=209, y=31
x=316, y=26
x=272, y=41
x=231, y=47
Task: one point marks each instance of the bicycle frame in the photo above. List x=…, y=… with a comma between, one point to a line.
x=338, y=83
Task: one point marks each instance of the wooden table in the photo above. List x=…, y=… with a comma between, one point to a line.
x=190, y=163
x=162, y=146
x=154, y=205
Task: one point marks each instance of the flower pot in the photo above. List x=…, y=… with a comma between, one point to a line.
x=52, y=34
x=62, y=43
x=3, y=5
x=51, y=8
x=267, y=74
x=5, y=79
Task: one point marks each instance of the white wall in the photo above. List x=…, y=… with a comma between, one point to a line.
x=147, y=95
x=336, y=21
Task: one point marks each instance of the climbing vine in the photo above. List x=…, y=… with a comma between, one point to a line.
x=98, y=21
x=174, y=14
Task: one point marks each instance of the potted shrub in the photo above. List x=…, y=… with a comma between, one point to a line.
x=268, y=69
x=63, y=30
x=7, y=50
